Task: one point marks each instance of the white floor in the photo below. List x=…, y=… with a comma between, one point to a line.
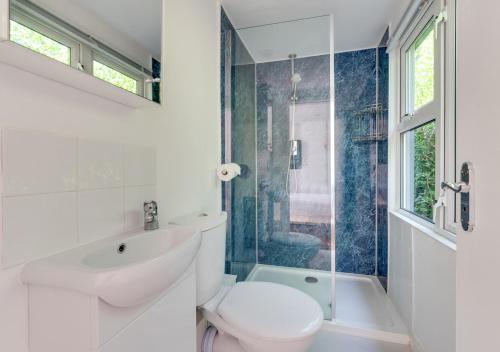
x=362, y=306
x=361, y=301
x=337, y=342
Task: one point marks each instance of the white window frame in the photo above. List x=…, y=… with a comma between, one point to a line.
x=442, y=110
x=118, y=66
x=83, y=53
x=35, y=24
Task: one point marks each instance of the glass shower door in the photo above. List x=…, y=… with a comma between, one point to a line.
x=294, y=158
x=239, y=197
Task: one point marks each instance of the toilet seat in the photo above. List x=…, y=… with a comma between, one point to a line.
x=269, y=311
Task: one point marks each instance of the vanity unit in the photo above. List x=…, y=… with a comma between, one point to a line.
x=133, y=292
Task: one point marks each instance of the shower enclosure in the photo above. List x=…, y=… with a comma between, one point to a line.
x=309, y=209
x=277, y=126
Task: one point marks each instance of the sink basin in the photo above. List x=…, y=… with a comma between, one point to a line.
x=125, y=270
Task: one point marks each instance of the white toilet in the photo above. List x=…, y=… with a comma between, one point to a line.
x=249, y=316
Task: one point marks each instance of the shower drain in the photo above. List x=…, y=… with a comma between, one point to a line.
x=311, y=280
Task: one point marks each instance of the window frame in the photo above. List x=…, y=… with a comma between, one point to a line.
x=442, y=110
x=82, y=51
x=118, y=66
x=36, y=24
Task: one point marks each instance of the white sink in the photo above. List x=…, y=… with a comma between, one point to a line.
x=123, y=271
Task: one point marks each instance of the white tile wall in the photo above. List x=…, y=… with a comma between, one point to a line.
x=37, y=162
x=100, y=164
x=38, y=225
x=140, y=166
x=60, y=191
x=100, y=214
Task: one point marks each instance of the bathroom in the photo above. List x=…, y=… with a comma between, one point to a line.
x=248, y=176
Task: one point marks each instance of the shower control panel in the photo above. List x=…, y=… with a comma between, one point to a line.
x=466, y=191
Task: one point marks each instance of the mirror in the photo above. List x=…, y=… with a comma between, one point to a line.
x=116, y=41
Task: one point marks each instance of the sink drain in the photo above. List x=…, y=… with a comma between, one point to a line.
x=121, y=248
x=311, y=280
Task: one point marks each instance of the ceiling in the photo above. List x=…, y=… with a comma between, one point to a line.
x=308, y=37
x=358, y=24
x=138, y=20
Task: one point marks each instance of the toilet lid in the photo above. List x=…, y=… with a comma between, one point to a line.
x=271, y=311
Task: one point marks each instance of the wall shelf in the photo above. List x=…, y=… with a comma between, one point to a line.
x=27, y=60
x=370, y=124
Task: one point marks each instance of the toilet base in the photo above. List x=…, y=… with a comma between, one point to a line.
x=227, y=343
x=216, y=341
x=213, y=341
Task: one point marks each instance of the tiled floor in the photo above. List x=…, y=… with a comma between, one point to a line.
x=337, y=342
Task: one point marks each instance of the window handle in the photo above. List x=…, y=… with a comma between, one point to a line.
x=460, y=187
x=466, y=190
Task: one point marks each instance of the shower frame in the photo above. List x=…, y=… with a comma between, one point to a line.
x=227, y=189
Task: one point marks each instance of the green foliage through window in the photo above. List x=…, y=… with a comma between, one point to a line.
x=421, y=159
x=420, y=58
x=37, y=42
x=424, y=69
x=114, y=77
x=425, y=169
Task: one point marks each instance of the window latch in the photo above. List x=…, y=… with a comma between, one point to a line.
x=407, y=117
x=442, y=18
x=441, y=203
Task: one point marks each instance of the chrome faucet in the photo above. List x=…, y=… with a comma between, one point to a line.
x=151, y=215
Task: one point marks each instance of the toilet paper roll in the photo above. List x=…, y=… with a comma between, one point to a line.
x=226, y=172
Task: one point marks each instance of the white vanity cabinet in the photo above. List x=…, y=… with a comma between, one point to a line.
x=67, y=321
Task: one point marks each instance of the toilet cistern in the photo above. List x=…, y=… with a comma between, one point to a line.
x=151, y=215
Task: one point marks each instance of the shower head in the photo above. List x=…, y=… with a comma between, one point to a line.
x=296, y=78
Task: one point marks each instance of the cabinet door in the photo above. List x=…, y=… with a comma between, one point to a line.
x=167, y=326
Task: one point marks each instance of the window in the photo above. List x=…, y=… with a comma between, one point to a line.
x=421, y=57
x=40, y=43
x=421, y=76
x=41, y=32
x=426, y=124
x=419, y=170
x=114, y=77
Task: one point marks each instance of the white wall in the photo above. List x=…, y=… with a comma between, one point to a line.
x=422, y=285
x=188, y=130
x=184, y=130
x=422, y=264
